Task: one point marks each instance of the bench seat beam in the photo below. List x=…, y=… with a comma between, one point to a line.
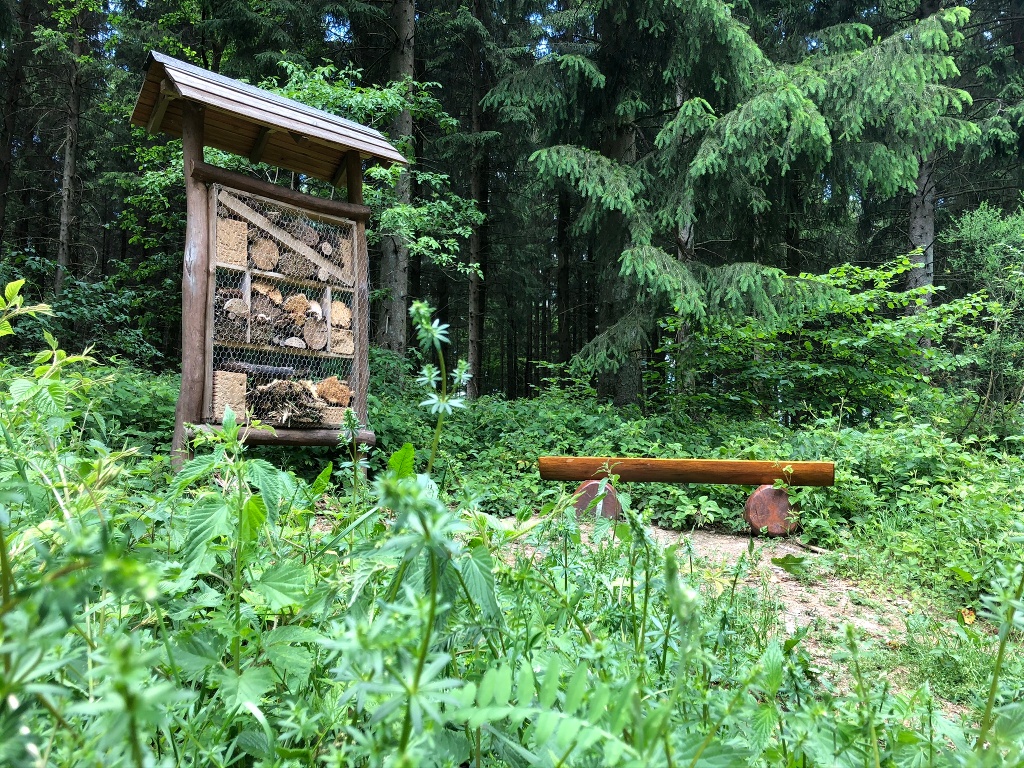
x=710, y=471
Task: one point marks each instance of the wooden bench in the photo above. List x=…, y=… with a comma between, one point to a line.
x=767, y=508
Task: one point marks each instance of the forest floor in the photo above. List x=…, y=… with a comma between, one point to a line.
x=818, y=599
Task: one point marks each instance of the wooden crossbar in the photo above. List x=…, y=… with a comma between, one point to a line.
x=711, y=471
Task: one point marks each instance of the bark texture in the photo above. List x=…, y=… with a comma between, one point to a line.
x=922, y=228
x=69, y=175
x=391, y=332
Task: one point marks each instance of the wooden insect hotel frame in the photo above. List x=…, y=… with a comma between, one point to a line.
x=275, y=291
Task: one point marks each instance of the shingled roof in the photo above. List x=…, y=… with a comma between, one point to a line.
x=248, y=121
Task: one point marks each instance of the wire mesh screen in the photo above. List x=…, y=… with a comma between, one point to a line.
x=282, y=341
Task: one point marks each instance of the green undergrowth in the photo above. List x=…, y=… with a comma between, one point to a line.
x=910, y=504
x=453, y=610
x=242, y=616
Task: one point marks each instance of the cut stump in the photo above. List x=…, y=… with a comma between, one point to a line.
x=768, y=509
x=589, y=490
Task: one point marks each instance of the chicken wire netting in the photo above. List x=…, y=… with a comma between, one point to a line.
x=283, y=336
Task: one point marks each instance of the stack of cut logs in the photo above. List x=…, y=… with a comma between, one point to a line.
x=230, y=315
x=278, y=400
x=268, y=255
x=293, y=321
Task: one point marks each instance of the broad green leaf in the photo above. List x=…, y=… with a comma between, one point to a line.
x=268, y=479
x=323, y=480
x=12, y=289
x=476, y=569
x=714, y=753
x=763, y=723
x=292, y=633
x=792, y=564
x=229, y=421
x=403, y=461
x=525, y=684
x=485, y=692
x=574, y=693
x=254, y=516
x=197, y=468
x=503, y=685
x=254, y=743
x=208, y=518
x=293, y=662
x=549, y=688
x=22, y=389
x=771, y=662
x=283, y=585
x=195, y=656
x=546, y=725
x=598, y=702
x=250, y=686
x=5, y=328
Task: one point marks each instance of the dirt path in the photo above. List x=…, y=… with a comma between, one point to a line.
x=821, y=600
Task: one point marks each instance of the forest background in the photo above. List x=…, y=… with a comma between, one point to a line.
x=764, y=230
x=591, y=182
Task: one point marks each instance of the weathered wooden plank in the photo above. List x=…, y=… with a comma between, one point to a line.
x=354, y=177
x=256, y=153
x=361, y=303
x=211, y=286
x=282, y=436
x=167, y=94
x=238, y=207
x=193, y=290
x=711, y=471
x=211, y=174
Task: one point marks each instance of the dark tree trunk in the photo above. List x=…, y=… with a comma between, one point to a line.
x=395, y=253
x=511, y=354
x=14, y=81
x=922, y=228
x=562, y=248
x=794, y=213
x=479, y=188
x=69, y=179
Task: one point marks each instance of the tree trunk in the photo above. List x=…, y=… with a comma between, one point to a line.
x=68, y=196
x=14, y=80
x=922, y=228
x=479, y=184
x=562, y=249
x=395, y=259
x=511, y=353
x=794, y=212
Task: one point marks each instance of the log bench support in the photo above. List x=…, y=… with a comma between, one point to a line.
x=767, y=508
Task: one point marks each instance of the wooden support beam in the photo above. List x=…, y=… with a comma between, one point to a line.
x=281, y=436
x=354, y=177
x=711, y=471
x=299, y=138
x=339, y=173
x=194, y=284
x=361, y=310
x=156, y=119
x=211, y=174
x=260, y=145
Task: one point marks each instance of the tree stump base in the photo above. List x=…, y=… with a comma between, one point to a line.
x=589, y=490
x=768, y=510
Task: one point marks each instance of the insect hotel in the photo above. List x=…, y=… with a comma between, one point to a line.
x=275, y=296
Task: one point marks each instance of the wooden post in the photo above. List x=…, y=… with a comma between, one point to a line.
x=361, y=324
x=194, y=281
